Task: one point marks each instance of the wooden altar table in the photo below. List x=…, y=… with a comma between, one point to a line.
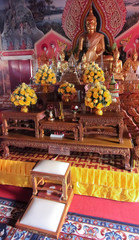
x=11, y=119
x=59, y=125
x=98, y=143
x=90, y=121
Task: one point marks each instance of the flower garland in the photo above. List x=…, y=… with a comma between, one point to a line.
x=45, y=75
x=93, y=74
x=23, y=95
x=98, y=97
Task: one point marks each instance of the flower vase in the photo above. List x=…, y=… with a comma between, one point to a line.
x=45, y=88
x=66, y=98
x=24, y=109
x=99, y=112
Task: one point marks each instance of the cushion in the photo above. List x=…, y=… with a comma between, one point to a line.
x=43, y=214
x=50, y=166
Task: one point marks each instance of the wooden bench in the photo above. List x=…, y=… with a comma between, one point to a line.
x=91, y=123
x=12, y=119
x=58, y=125
x=54, y=171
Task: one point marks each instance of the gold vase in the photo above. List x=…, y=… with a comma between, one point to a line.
x=24, y=109
x=45, y=88
x=66, y=97
x=99, y=112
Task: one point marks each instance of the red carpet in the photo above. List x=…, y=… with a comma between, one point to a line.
x=15, y=193
x=91, y=206
x=75, y=226
x=105, y=208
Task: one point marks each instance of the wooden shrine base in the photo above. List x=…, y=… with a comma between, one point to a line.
x=92, y=143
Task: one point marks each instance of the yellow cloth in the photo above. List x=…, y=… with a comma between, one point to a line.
x=15, y=173
x=120, y=186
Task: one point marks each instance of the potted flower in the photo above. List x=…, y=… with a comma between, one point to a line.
x=98, y=97
x=23, y=96
x=67, y=90
x=93, y=74
x=45, y=77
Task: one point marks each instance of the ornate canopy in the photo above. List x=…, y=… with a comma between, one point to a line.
x=112, y=14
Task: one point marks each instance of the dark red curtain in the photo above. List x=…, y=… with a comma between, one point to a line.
x=19, y=71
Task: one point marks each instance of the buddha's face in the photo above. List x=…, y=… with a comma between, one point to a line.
x=116, y=55
x=91, y=25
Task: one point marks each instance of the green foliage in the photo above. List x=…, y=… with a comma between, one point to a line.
x=109, y=49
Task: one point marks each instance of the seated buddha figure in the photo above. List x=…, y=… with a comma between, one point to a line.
x=84, y=63
x=116, y=65
x=91, y=43
x=63, y=64
x=82, y=66
x=131, y=63
x=54, y=65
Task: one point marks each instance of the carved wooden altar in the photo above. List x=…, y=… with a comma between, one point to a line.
x=97, y=143
x=108, y=137
x=14, y=119
x=101, y=124
x=59, y=126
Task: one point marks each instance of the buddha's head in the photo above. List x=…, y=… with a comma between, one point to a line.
x=91, y=22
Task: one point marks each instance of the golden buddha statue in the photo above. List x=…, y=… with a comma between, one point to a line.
x=116, y=65
x=54, y=65
x=131, y=63
x=91, y=42
x=63, y=64
x=70, y=75
x=82, y=66
x=84, y=63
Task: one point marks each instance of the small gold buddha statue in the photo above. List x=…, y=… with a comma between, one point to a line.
x=70, y=75
x=131, y=63
x=72, y=64
x=54, y=65
x=84, y=63
x=82, y=66
x=91, y=43
x=116, y=65
x=63, y=64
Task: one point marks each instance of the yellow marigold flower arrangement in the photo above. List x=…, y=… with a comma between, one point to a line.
x=45, y=75
x=23, y=95
x=93, y=74
x=98, y=97
x=67, y=90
